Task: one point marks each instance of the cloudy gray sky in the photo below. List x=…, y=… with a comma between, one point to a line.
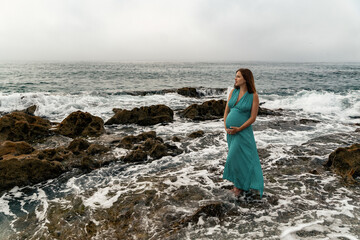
x=182, y=30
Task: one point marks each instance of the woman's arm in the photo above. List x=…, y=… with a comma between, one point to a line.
x=251, y=120
x=226, y=112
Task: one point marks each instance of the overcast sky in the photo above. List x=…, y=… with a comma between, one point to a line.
x=182, y=30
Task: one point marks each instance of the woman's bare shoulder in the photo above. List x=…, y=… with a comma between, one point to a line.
x=230, y=94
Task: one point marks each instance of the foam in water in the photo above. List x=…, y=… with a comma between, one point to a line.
x=100, y=189
x=328, y=104
x=57, y=107
x=287, y=233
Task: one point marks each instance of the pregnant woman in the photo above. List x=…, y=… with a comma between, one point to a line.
x=242, y=164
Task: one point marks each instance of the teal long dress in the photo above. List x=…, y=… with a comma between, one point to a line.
x=242, y=164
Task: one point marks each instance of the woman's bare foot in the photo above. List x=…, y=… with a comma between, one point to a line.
x=237, y=191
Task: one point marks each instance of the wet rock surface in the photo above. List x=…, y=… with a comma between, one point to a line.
x=78, y=145
x=288, y=125
x=147, y=145
x=25, y=171
x=129, y=141
x=15, y=148
x=20, y=126
x=264, y=112
x=196, y=134
x=30, y=110
x=346, y=162
x=21, y=164
x=188, y=92
x=81, y=124
x=184, y=196
x=209, y=110
x=142, y=116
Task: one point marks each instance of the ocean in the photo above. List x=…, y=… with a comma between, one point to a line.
x=306, y=205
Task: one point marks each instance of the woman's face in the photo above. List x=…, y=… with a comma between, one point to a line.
x=239, y=80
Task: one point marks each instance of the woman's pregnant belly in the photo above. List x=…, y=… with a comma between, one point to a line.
x=235, y=118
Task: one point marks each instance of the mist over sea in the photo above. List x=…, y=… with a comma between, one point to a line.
x=307, y=206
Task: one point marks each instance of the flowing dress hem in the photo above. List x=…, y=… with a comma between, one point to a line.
x=239, y=186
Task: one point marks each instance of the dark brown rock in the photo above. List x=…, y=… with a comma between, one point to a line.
x=357, y=130
x=263, y=153
x=264, y=112
x=345, y=162
x=196, y=134
x=81, y=124
x=158, y=151
x=20, y=172
x=78, y=145
x=97, y=149
x=149, y=144
x=216, y=209
x=188, y=92
x=19, y=126
x=175, y=139
x=135, y=156
x=144, y=116
x=146, y=135
x=129, y=141
x=306, y=121
x=21, y=165
x=213, y=109
x=115, y=110
x=15, y=148
x=88, y=163
x=273, y=200
x=30, y=110
x=314, y=171
x=59, y=154
x=173, y=150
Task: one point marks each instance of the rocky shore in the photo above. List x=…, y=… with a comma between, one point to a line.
x=25, y=161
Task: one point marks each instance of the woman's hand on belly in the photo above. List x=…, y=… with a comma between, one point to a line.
x=232, y=130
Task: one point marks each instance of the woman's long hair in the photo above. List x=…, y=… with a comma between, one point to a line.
x=249, y=78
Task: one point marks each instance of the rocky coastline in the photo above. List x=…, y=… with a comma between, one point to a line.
x=23, y=162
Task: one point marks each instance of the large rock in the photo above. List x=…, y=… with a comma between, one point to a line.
x=345, y=162
x=25, y=171
x=196, y=134
x=265, y=112
x=135, y=156
x=157, y=149
x=95, y=149
x=188, y=92
x=20, y=164
x=20, y=126
x=129, y=141
x=81, y=124
x=59, y=154
x=142, y=116
x=213, y=109
x=15, y=148
x=30, y=110
x=147, y=144
x=78, y=145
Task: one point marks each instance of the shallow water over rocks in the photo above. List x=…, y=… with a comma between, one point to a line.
x=185, y=197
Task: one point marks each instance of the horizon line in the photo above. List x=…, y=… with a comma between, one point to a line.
x=171, y=61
